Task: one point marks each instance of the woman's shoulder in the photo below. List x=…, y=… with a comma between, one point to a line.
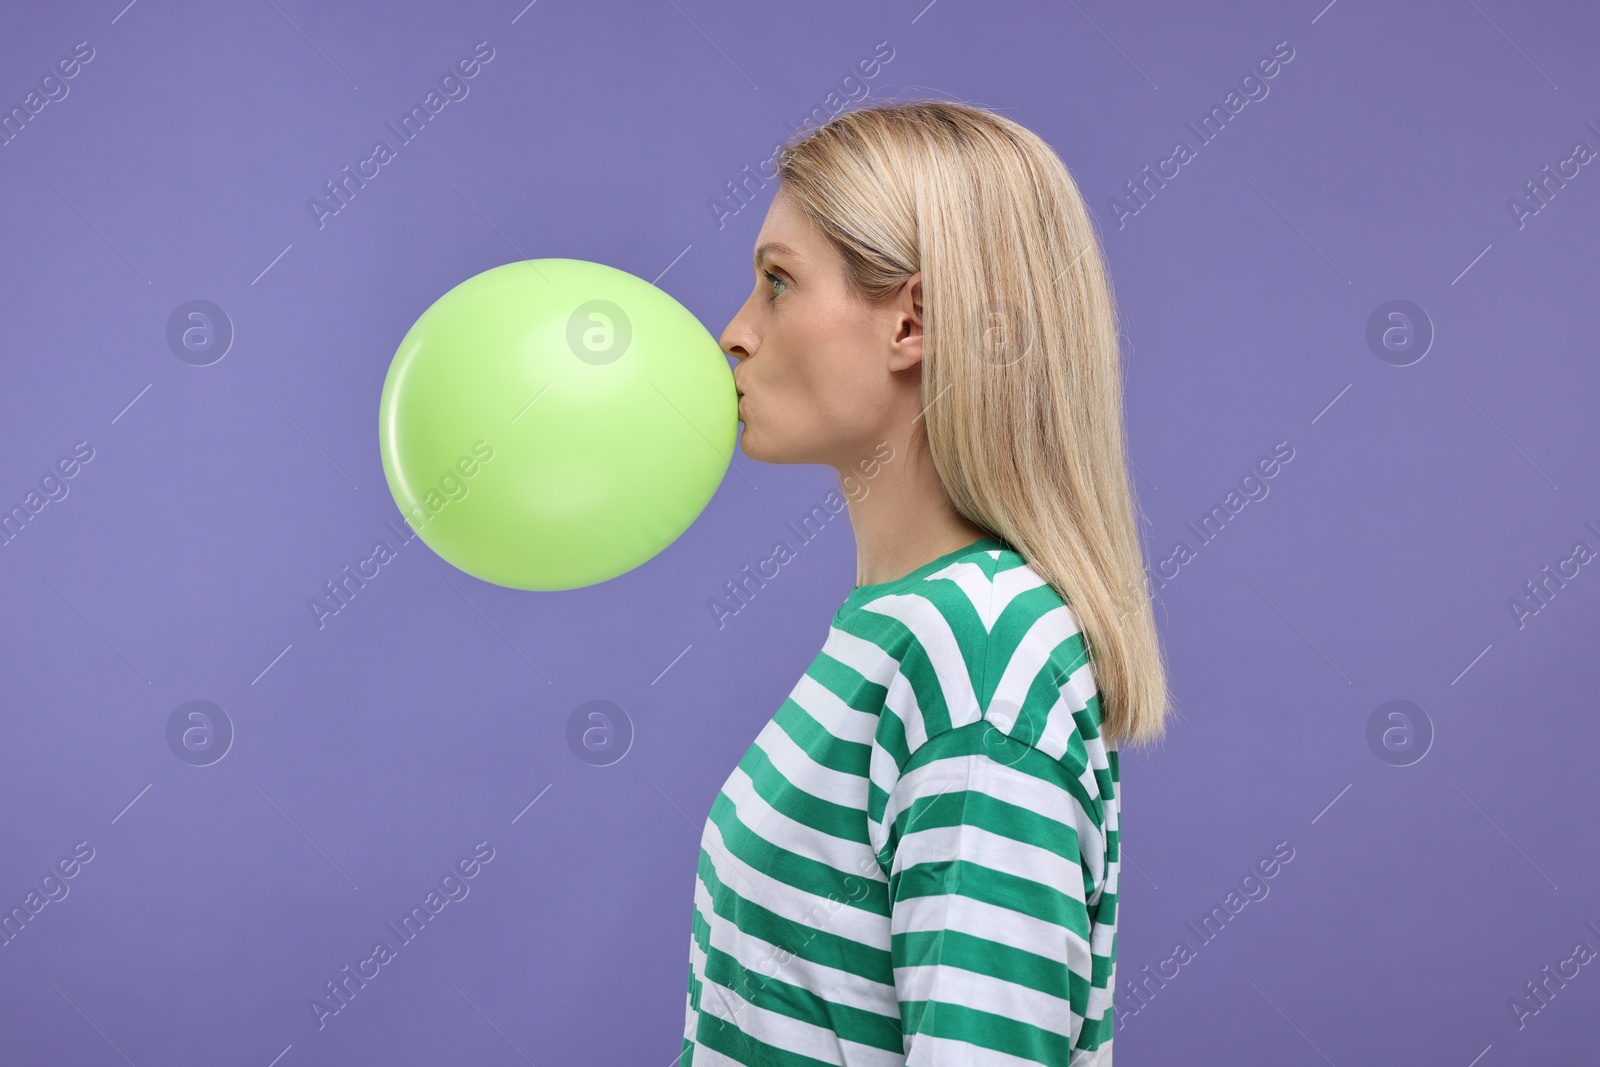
x=984, y=636
x=987, y=597
x=971, y=570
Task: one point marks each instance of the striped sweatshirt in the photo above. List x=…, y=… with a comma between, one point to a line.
x=916, y=862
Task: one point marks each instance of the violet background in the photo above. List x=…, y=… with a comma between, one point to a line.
x=424, y=718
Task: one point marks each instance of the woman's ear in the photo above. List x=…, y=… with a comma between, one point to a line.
x=907, y=341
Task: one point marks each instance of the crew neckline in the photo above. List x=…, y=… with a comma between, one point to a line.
x=860, y=594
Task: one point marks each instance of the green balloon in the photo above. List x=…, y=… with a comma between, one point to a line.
x=553, y=423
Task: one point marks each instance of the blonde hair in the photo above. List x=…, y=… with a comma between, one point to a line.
x=1021, y=378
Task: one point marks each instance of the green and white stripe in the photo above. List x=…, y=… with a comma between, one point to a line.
x=917, y=860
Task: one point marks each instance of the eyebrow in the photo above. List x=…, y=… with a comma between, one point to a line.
x=771, y=247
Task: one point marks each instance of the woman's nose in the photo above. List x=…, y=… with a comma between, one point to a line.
x=736, y=342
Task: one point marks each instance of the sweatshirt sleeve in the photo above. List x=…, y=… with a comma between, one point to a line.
x=1002, y=904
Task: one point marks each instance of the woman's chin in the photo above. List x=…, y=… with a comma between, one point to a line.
x=750, y=444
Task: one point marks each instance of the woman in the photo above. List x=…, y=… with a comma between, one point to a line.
x=917, y=860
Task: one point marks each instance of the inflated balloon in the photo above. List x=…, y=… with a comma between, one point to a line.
x=552, y=423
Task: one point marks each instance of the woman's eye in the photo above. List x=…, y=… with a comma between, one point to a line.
x=771, y=277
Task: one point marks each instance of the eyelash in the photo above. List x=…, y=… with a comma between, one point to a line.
x=773, y=277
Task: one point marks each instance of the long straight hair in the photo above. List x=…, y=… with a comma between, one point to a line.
x=1021, y=372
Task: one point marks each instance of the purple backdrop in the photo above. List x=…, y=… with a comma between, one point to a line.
x=1337, y=266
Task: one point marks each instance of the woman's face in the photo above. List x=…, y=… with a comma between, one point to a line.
x=822, y=374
